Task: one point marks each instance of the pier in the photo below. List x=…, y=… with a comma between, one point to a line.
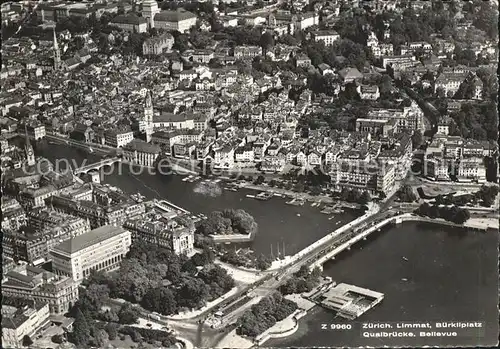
x=349, y=301
x=168, y=207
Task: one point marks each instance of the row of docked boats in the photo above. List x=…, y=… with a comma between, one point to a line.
x=264, y=196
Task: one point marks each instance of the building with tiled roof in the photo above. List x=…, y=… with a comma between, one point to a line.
x=157, y=44
x=327, y=36
x=36, y=284
x=20, y=322
x=130, y=23
x=180, y=20
x=141, y=153
x=168, y=233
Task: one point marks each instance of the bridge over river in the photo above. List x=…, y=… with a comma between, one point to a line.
x=96, y=165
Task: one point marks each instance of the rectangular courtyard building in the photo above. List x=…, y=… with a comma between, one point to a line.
x=99, y=249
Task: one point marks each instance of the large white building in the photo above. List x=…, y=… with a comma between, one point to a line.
x=373, y=179
x=472, y=169
x=99, y=249
x=327, y=36
x=158, y=44
x=306, y=20
x=224, y=157
x=180, y=20
x=450, y=83
x=118, y=138
x=172, y=235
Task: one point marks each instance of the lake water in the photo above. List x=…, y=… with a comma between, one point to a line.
x=452, y=276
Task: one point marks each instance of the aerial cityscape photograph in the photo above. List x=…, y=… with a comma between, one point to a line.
x=249, y=174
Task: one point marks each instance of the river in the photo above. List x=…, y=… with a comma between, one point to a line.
x=279, y=224
x=452, y=275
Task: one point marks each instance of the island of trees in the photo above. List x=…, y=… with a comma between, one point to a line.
x=487, y=195
x=406, y=194
x=227, y=222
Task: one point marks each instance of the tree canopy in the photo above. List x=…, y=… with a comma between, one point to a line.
x=159, y=280
x=228, y=222
x=450, y=213
x=264, y=314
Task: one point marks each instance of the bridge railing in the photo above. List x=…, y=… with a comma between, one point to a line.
x=357, y=237
x=96, y=165
x=372, y=210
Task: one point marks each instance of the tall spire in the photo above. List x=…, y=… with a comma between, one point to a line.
x=30, y=155
x=26, y=135
x=148, y=112
x=56, y=46
x=57, y=52
x=148, y=103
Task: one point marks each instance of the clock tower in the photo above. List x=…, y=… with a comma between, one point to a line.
x=148, y=116
x=149, y=11
x=28, y=149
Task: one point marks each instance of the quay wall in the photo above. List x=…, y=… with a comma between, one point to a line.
x=372, y=210
x=270, y=333
x=231, y=238
x=406, y=217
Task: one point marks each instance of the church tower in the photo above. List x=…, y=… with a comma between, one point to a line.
x=28, y=149
x=149, y=10
x=57, y=53
x=148, y=115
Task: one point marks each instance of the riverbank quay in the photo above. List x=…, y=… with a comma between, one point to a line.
x=210, y=305
x=242, y=275
x=285, y=192
x=280, y=329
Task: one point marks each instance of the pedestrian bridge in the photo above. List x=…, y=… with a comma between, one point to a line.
x=96, y=165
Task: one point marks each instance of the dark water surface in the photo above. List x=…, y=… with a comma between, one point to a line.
x=279, y=224
x=452, y=274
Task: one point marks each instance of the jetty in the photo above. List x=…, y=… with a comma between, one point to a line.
x=348, y=301
x=296, y=202
x=264, y=196
x=335, y=209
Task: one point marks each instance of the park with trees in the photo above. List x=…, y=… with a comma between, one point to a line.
x=302, y=281
x=158, y=279
x=264, y=314
x=453, y=214
x=151, y=278
x=406, y=194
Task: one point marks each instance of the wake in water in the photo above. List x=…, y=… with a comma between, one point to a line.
x=208, y=189
x=145, y=185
